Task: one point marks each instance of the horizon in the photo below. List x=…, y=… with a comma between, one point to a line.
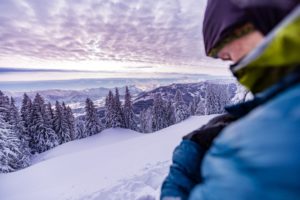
x=79, y=82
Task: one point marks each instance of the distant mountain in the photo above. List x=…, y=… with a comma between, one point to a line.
x=24, y=80
x=141, y=99
x=189, y=90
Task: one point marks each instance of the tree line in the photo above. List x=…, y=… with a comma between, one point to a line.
x=117, y=115
x=173, y=109
x=38, y=126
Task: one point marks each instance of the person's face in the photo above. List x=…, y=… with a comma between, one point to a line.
x=238, y=48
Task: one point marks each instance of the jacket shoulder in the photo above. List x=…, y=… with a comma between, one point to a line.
x=278, y=119
x=261, y=151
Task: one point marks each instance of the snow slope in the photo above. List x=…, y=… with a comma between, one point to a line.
x=114, y=165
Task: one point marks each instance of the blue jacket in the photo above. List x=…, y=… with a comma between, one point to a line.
x=257, y=157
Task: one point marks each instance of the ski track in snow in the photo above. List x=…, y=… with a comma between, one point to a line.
x=143, y=186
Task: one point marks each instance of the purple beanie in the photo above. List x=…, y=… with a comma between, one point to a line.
x=223, y=16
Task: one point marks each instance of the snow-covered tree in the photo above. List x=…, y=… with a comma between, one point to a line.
x=201, y=110
x=13, y=156
x=169, y=113
x=109, y=110
x=242, y=94
x=69, y=119
x=15, y=152
x=114, y=116
x=158, y=114
x=217, y=97
x=192, y=108
x=26, y=114
x=18, y=128
x=92, y=123
x=4, y=106
x=15, y=147
x=43, y=136
x=71, y=122
x=197, y=106
x=80, y=129
x=60, y=123
x=26, y=118
x=50, y=114
x=146, y=121
x=181, y=109
x=193, y=104
x=118, y=117
x=128, y=112
x=14, y=118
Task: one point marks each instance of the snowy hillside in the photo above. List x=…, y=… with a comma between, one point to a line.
x=114, y=165
x=189, y=91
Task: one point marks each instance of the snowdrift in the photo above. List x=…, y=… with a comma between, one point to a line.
x=116, y=164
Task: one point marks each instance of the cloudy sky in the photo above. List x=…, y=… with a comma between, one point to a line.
x=125, y=35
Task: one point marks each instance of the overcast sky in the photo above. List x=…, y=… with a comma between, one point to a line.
x=103, y=34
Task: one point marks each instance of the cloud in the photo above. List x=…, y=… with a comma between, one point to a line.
x=165, y=31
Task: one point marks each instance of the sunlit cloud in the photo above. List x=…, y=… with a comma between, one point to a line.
x=165, y=32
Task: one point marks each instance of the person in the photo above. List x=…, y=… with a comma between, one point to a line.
x=252, y=151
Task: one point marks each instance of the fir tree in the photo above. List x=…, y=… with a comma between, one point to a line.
x=43, y=136
x=13, y=156
x=114, y=116
x=18, y=128
x=200, y=109
x=169, y=113
x=197, y=106
x=26, y=114
x=109, y=110
x=68, y=135
x=193, y=105
x=14, y=118
x=80, y=129
x=4, y=106
x=181, y=109
x=71, y=123
x=60, y=123
x=92, y=123
x=50, y=114
x=118, y=117
x=217, y=97
x=146, y=121
x=158, y=114
x=128, y=112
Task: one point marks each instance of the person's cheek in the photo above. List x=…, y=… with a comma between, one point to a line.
x=237, y=51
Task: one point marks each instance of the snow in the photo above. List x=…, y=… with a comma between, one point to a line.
x=114, y=165
x=107, y=137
